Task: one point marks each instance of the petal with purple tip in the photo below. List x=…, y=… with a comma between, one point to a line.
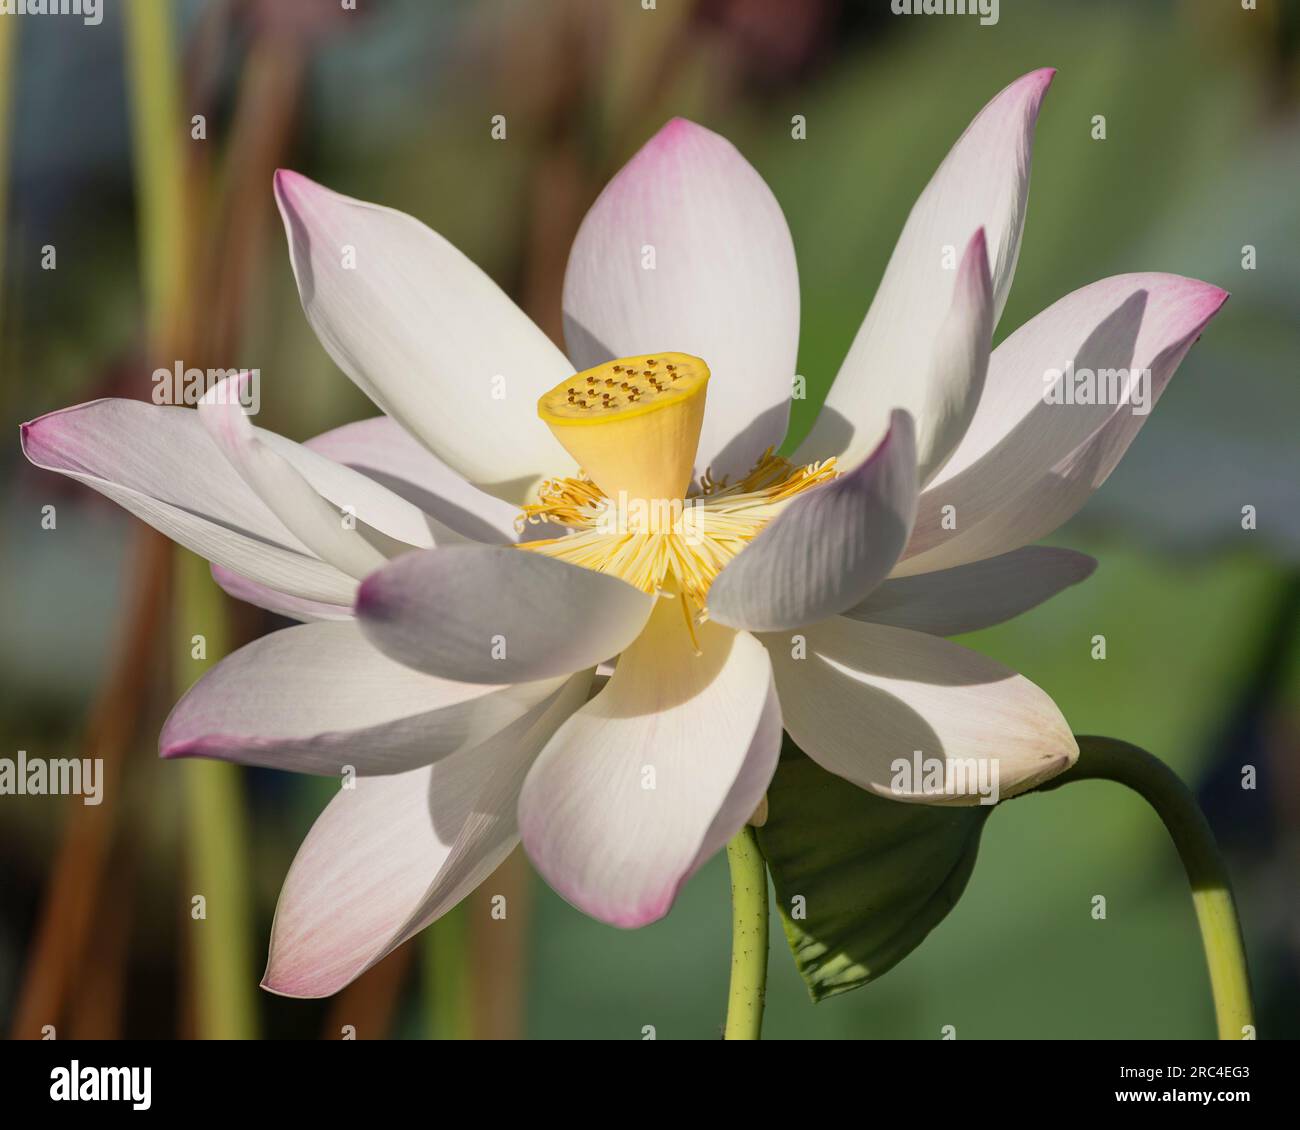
x=653, y=775
x=282, y=604
x=426, y=334
x=393, y=854
x=494, y=614
x=160, y=464
x=687, y=249
x=828, y=548
x=982, y=183
x=318, y=698
x=1033, y=454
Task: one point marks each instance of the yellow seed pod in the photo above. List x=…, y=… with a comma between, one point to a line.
x=632, y=424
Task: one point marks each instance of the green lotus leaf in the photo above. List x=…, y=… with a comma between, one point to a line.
x=860, y=880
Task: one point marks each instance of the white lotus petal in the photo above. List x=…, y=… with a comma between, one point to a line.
x=654, y=774
x=393, y=854
x=383, y=450
x=982, y=183
x=374, y=503
x=975, y=596
x=1026, y=465
x=686, y=249
x=333, y=534
x=828, y=548
x=318, y=698
x=262, y=596
x=492, y=614
x=426, y=335
x=864, y=699
x=160, y=464
x=958, y=364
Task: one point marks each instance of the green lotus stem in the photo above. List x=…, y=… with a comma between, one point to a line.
x=749, y=926
x=1109, y=759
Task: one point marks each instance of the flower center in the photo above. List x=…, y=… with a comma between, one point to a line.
x=633, y=425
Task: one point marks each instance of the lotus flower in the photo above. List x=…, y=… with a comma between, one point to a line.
x=452, y=663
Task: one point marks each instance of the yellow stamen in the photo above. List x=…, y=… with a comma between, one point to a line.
x=672, y=547
x=628, y=512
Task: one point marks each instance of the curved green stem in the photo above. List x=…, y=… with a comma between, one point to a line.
x=1112, y=760
x=748, y=989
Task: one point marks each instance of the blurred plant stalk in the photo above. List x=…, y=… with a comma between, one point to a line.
x=8, y=88
x=217, y=831
x=60, y=942
x=215, y=822
x=75, y=906
x=9, y=323
x=448, y=1003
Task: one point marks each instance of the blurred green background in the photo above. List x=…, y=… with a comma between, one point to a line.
x=392, y=102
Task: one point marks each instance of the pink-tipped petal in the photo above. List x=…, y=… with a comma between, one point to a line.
x=282, y=604
x=426, y=335
x=830, y=546
x=687, y=249
x=982, y=183
x=318, y=698
x=160, y=464
x=652, y=776
x=493, y=614
x=392, y=854
x=1027, y=463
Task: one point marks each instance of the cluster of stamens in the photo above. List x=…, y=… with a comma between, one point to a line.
x=626, y=388
x=683, y=555
x=633, y=424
